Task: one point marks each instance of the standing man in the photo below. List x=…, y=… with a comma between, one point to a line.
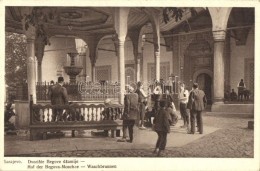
x=58, y=95
x=241, y=87
x=157, y=93
x=183, y=99
x=197, y=103
x=130, y=114
x=162, y=128
x=142, y=100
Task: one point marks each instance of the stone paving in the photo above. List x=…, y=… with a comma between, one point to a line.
x=229, y=138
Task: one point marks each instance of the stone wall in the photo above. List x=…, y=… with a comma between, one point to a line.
x=239, y=55
x=22, y=117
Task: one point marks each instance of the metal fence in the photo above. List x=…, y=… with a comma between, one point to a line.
x=76, y=92
x=85, y=91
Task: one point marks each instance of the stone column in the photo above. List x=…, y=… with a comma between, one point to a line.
x=39, y=71
x=84, y=61
x=227, y=54
x=121, y=59
x=137, y=41
x=39, y=52
x=142, y=65
x=120, y=23
x=93, y=71
x=218, y=79
x=154, y=16
x=157, y=65
x=138, y=67
x=31, y=73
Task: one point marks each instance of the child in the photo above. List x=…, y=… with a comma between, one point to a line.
x=161, y=127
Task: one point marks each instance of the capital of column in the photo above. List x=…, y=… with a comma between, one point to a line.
x=219, y=35
x=31, y=59
x=157, y=54
x=30, y=33
x=138, y=58
x=121, y=42
x=93, y=64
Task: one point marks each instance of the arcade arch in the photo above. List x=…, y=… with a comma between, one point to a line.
x=198, y=58
x=55, y=57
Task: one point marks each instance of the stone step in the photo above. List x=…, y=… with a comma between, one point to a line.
x=233, y=108
x=230, y=114
x=11, y=132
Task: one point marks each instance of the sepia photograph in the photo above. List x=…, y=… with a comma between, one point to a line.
x=127, y=82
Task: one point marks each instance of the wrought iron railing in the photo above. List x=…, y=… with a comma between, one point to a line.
x=85, y=91
x=76, y=92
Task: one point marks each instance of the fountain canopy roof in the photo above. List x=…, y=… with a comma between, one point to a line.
x=85, y=20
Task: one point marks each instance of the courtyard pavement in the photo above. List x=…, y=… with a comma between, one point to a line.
x=143, y=139
x=223, y=137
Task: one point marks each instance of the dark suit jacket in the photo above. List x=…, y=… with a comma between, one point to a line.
x=131, y=106
x=197, y=100
x=58, y=95
x=162, y=121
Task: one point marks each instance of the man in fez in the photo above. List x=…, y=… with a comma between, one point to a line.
x=58, y=95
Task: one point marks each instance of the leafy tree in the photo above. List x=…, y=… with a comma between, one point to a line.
x=15, y=59
x=176, y=13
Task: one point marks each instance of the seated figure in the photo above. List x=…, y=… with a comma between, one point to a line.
x=227, y=95
x=233, y=95
x=172, y=111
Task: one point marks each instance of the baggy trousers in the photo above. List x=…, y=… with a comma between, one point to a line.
x=141, y=112
x=128, y=124
x=162, y=140
x=184, y=113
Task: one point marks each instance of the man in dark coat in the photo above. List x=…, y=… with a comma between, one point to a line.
x=162, y=127
x=130, y=114
x=197, y=103
x=58, y=95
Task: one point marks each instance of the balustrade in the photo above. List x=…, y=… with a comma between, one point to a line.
x=51, y=118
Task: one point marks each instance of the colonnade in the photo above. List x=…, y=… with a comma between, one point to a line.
x=219, y=21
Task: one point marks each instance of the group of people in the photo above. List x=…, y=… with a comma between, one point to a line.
x=164, y=112
x=242, y=93
x=137, y=103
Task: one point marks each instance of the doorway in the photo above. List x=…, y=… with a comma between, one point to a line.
x=205, y=84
